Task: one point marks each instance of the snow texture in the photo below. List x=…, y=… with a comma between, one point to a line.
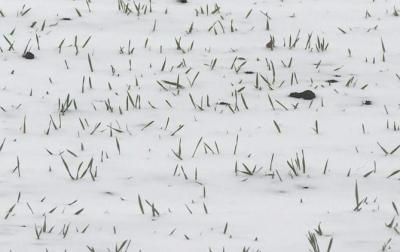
x=167, y=126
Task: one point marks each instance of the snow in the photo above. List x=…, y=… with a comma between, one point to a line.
x=202, y=165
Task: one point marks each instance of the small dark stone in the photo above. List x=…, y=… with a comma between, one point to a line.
x=66, y=19
x=306, y=95
x=182, y=1
x=223, y=103
x=28, y=55
x=249, y=72
x=331, y=81
x=367, y=102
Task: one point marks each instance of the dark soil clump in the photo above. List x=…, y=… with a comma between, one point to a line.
x=28, y=55
x=306, y=95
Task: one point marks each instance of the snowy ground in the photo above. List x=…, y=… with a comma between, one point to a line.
x=169, y=126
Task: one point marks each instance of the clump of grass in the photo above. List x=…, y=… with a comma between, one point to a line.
x=23, y=11
x=248, y=171
x=312, y=239
x=178, y=153
x=271, y=44
x=138, y=7
x=358, y=202
x=208, y=10
x=123, y=247
x=297, y=165
x=386, y=245
x=10, y=44
x=395, y=12
x=80, y=173
x=293, y=40
x=388, y=152
x=66, y=105
x=321, y=45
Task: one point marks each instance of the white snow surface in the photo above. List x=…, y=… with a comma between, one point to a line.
x=161, y=148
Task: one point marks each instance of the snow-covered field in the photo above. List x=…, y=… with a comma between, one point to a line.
x=167, y=126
